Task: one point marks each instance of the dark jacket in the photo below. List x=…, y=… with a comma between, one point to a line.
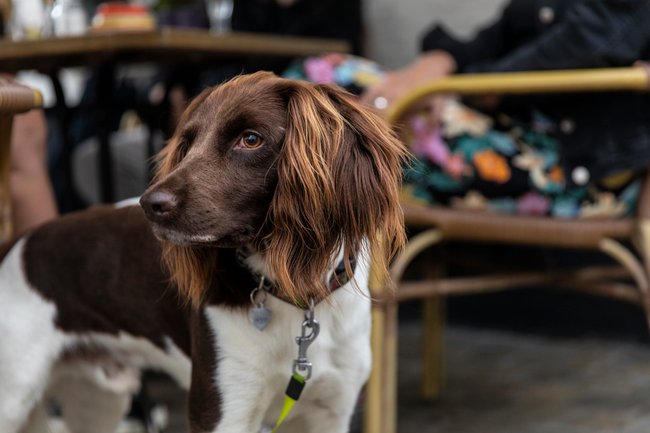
x=330, y=19
x=604, y=133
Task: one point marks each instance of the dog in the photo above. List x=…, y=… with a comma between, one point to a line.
x=256, y=234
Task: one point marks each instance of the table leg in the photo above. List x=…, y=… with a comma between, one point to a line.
x=105, y=85
x=62, y=113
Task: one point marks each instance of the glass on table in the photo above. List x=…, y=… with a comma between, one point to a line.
x=68, y=17
x=219, y=15
x=27, y=19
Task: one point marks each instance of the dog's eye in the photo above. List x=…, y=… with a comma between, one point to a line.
x=181, y=150
x=250, y=140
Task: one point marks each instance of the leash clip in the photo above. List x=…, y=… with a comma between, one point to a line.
x=309, y=332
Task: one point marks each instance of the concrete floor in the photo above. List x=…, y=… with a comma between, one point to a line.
x=507, y=383
x=500, y=382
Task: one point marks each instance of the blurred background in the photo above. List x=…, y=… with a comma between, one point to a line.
x=530, y=360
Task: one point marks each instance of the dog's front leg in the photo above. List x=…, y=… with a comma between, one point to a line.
x=237, y=406
x=226, y=395
x=331, y=414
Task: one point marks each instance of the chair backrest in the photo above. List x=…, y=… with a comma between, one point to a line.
x=14, y=99
x=635, y=78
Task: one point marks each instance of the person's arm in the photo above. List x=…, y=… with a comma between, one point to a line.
x=487, y=44
x=595, y=33
x=32, y=198
x=443, y=55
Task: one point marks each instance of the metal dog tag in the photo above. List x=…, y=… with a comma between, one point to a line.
x=260, y=316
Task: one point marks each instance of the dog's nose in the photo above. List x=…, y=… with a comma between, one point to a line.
x=158, y=205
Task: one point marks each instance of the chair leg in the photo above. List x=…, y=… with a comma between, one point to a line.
x=380, y=414
x=433, y=350
x=5, y=167
x=381, y=391
x=644, y=245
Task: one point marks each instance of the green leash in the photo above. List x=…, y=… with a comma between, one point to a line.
x=301, y=366
x=291, y=396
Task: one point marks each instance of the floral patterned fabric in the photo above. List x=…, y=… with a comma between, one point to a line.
x=479, y=162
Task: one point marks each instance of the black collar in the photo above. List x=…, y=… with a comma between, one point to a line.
x=338, y=279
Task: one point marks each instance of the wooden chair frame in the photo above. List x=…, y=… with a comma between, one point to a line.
x=441, y=224
x=14, y=99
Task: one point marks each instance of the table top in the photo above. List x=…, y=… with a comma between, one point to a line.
x=162, y=44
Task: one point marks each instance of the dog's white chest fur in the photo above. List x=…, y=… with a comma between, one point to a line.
x=255, y=366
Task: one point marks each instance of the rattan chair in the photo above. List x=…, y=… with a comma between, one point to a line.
x=439, y=224
x=14, y=99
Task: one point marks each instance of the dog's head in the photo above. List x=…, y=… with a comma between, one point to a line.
x=299, y=171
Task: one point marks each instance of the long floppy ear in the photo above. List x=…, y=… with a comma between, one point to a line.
x=189, y=267
x=338, y=184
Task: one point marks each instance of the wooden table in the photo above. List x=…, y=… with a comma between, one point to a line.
x=14, y=99
x=167, y=45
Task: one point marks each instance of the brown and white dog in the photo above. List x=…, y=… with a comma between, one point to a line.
x=263, y=177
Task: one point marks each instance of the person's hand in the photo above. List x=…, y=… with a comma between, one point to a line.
x=428, y=67
x=29, y=141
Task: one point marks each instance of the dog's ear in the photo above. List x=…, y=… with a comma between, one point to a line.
x=338, y=185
